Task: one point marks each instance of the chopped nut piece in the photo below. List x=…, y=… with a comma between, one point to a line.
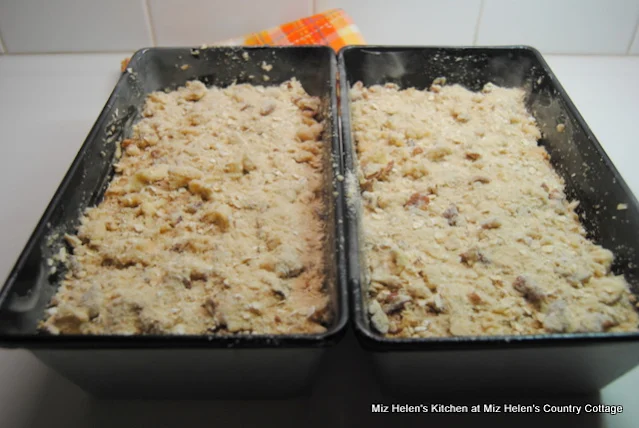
x=383, y=173
x=310, y=133
x=234, y=168
x=415, y=169
x=473, y=156
x=531, y=291
x=379, y=319
x=194, y=91
x=395, y=302
x=451, y=214
x=475, y=298
x=488, y=88
x=491, y=223
x=418, y=200
x=72, y=240
x=281, y=291
x=397, y=139
x=556, y=194
x=200, y=188
x=473, y=256
x=461, y=117
x=286, y=265
x=151, y=174
x=436, y=303
x=247, y=164
x=219, y=215
x=480, y=179
x=580, y=277
x=267, y=108
x=438, y=153
x=180, y=176
x=309, y=106
x=558, y=318
x=392, y=282
x=210, y=306
x=400, y=260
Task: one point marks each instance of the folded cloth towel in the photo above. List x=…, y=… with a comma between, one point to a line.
x=332, y=28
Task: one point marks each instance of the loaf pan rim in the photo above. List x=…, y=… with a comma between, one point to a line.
x=234, y=341
x=373, y=341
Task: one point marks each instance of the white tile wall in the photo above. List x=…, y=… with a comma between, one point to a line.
x=193, y=22
x=552, y=26
x=411, y=22
x=73, y=25
x=634, y=49
x=565, y=26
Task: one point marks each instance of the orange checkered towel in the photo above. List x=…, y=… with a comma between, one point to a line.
x=333, y=28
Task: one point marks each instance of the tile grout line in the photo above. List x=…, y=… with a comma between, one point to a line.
x=587, y=54
x=478, y=23
x=632, y=37
x=3, y=46
x=46, y=53
x=149, y=22
x=314, y=7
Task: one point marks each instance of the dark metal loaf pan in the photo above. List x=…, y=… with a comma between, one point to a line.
x=178, y=366
x=497, y=364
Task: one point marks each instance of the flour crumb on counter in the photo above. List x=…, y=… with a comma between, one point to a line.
x=466, y=227
x=210, y=224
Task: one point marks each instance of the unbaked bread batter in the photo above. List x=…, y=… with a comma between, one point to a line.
x=466, y=227
x=212, y=224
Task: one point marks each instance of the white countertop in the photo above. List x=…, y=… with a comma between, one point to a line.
x=47, y=106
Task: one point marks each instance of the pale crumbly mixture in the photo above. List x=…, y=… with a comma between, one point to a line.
x=212, y=223
x=466, y=227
